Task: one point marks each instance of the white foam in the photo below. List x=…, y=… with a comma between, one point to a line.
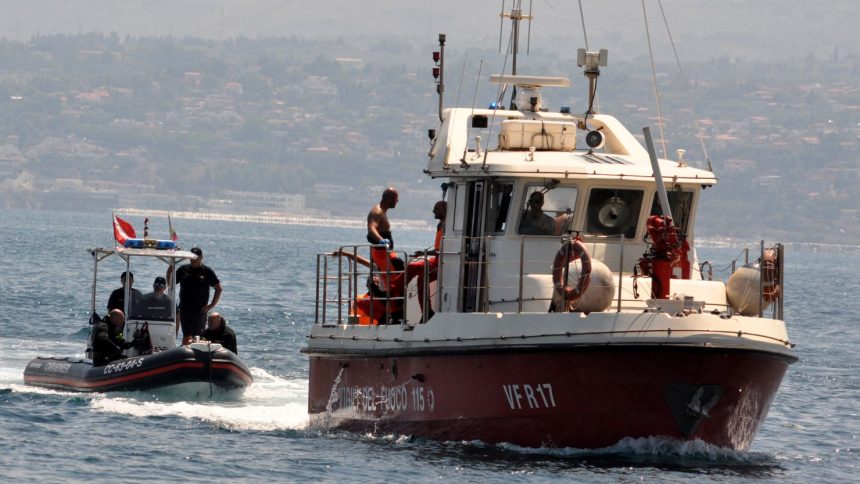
x=271, y=403
x=646, y=446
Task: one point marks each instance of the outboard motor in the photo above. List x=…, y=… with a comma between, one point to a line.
x=94, y=318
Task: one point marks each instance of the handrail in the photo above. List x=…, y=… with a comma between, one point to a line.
x=492, y=290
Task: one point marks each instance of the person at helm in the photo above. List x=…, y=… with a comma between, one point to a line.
x=535, y=221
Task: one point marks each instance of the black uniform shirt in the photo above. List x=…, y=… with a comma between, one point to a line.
x=194, y=284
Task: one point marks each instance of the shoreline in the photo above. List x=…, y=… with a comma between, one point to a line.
x=710, y=241
x=272, y=218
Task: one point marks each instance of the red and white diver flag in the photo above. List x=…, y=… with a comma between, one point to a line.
x=173, y=235
x=122, y=230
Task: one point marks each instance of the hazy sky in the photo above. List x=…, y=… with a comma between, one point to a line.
x=708, y=28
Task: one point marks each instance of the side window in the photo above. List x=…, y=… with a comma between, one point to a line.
x=548, y=210
x=498, y=206
x=459, y=206
x=613, y=212
x=681, y=203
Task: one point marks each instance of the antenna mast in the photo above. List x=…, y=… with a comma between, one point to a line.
x=516, y=15
x=439, y=72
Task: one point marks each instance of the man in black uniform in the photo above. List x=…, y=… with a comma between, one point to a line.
x=156, y=305
x=194, y=281
x=117, y=297
x=108, y=340
x=218, y=332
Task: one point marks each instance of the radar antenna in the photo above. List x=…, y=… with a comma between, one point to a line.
x=516, y=16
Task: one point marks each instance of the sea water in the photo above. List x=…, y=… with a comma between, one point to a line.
x=267, y=271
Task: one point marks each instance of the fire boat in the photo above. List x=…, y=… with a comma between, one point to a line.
x=571, y=308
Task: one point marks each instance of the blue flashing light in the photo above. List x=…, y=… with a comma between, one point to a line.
x=133, y=244
x=494, y=105
x=149, y=244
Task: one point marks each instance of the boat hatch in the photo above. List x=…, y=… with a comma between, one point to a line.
x=604, y=159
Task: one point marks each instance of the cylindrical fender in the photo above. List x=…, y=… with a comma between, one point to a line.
x=568, y=253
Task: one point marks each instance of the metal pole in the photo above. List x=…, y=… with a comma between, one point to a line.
x=339, y=288
x=317, y=306
x=515, y=17
x=620, y=272
x=780, y=254
x=522, y=255
x=95, y=277
x=461, y=300
x=372, y=282
x=761, y=280
x=440, y=261
x=388, y=285
x=325, y=287
x=353, y=293
x=658, y=175
x=440, y=88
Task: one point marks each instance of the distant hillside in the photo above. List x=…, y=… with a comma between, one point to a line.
x=762, y=29
x=94, y=120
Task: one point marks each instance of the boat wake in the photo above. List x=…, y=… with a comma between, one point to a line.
x=270, y=404
x=650, y=447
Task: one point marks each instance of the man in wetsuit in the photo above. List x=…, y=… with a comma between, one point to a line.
x=217, y=331
x=117, y=297
x=108, y=340
x=194, y=280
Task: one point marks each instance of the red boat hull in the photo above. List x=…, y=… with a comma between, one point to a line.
x=575, y=397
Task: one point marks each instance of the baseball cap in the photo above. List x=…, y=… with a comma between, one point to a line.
x=196, y=250
x=159, y=282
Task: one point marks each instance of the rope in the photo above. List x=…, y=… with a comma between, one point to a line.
x=654, y=76
x=582, y=18
x=568, y=334
x=699, y=133
x=209, y=350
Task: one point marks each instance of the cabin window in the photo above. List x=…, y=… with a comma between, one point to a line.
x=498, y=206
x=681, y=203
x=613, y=211
x=459, y=197
x=548, y=209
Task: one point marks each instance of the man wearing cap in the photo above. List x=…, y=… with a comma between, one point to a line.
x=117, y=297
x=156, y=304
x=194, y=280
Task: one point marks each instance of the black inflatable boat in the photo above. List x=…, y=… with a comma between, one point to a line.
x=197, y=364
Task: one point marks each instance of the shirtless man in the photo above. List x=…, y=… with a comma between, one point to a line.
x=378, y=228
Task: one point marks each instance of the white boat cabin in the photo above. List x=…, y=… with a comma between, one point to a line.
x=590, y=179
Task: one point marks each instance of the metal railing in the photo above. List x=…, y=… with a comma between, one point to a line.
x=338, y=292
x=385, y=300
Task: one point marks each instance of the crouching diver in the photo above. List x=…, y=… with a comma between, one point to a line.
x=217, y=331
x=108, y=340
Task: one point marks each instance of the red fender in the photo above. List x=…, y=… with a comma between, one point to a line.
x=571, y=251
